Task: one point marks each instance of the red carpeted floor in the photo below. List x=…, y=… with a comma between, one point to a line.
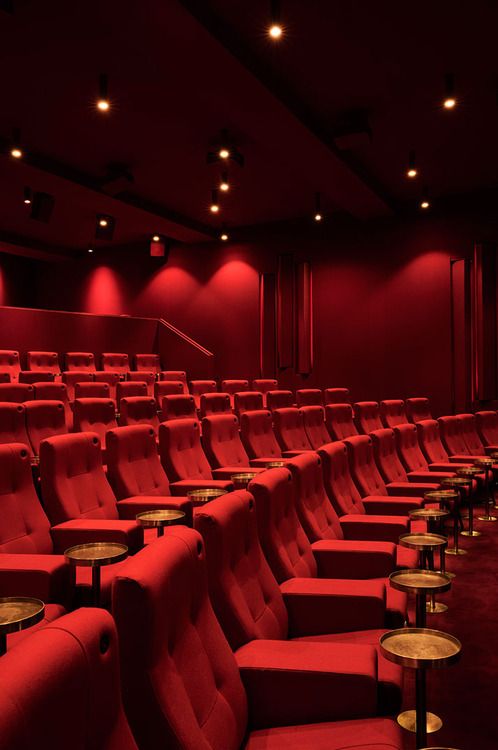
x=465, y=695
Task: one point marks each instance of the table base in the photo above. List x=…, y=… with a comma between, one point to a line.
x=470, y=533
x=487, y=518
x=435, y=608
x=408, y=720
x=454, y=551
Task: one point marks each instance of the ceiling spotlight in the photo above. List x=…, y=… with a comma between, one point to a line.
x=103, y=103
x=224, y=184
x=224, y=153
x=156, y=238
x=103, y=222
x=215, y=203
x=27, y=196
x=15, y=149
x=90, y=249
x=424, y=202
x=16, y=152
x=411, y=170
x=224, y=236
x=318, y=209
x=449, y=101
x=275, y=29
x=104, y=229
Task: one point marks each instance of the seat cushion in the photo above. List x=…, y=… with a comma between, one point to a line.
x=52, y=612
x=381, y=734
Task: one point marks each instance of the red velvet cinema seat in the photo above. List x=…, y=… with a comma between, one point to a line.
x=309, y=397
x=71, y=377
x=252, y=610
x=293, y=557
x=95, y=415
x=487, y=428
x=258, y=438
x=44, y=419
x=139, y=410
x=144, y=376
x=247, y=401
x=223, y=447
x=10, y=364
x=115, y=362
x=263, y=385
x=61, y=689
x=181, y=406
x=314, y=425
x=54, y=392
x=198, y=387
x=92, y=390
x=80, y=361
x=28, y=376
x=392, y=471
x=288, y=425
x=44, y=361
x=234, y=386
x=178, y=376
x=111, y=378
x=336, y=396
x=189, y=693
x=368, y=479
x=279, y=400
x=127, y=388
x=409, y=448
x=13, y=425
x=472, y=440
x=339, y=421
x=418, y=409
x=215, y=403
x=393, y=412
x=182, y=455
x=16, y=393
x=366, y=534
x=148, y=363
x=367, y=416
x=163, y=388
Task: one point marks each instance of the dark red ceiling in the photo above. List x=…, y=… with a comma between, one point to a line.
x=181, y=71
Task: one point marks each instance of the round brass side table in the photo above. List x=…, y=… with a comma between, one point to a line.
x=427, y=544
x=456, y=484
x=96, y=555
x=241, y=481
x=275, y=464
x=158, y=519
x=18, y=613
x=422, y=583
x=487, y=465
x=202, y=496
x=470, y=472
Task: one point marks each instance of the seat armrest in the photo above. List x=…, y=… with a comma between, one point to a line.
x=318, y=606
x=186, y=485
x=86, y=530
x=45, y=577
x=374, y=528
x=390, y=506
x=423, y=481
x=403, y=489
x=314, y=682
x=131, y=506
x=340, y=558
x=226, y=472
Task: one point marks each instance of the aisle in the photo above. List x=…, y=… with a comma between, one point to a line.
x=465, y=695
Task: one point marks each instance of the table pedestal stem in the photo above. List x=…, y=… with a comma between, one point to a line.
x=96, y=586
x=3, y=644
x=421, y=708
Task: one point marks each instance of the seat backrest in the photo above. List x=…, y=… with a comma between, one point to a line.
x=221, y=441
x=247, y=401
x=48, y=361
x=314, y=425
x=80, y=361
x=283, y=539
x=44, y=419
x=487, y=427
x=470, y=435
x=452, y=436
x=315, y=511
x=13, y=425
x=133, y=465
x=176, y=375
x=309, y=397
x=10, y=363
x=363, y=467
x=279, y=399
x=73, y=481
x=126, y=388
x=258, y=438
x=336, y=396
x=181, y=451
x=36, y=376
x=408, y=448
x=109, y=377
x=63, y=685
x=234, y=386
x=138, y=410
x=181, y=406
x=115, y=362
x=263, y=385
x=181, y=685
x=25, y=528
x=54, y=392
x=393, y=412
x=367, y=416
x=386, y=456
x=71, y=377
x=289, y=430
x=337, y=480
x=215, y=403
x=339, y=421
x=245, y=595
x=148, y=362
x=163, y=388
x=198, y=387
x=92, y=390
x=94, y=415
x=145, y=376
x=418, y=409
x=430, y=441
x=16, y=393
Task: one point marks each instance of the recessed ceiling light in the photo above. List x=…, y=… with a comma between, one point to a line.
x=103, y=103
x=16, y=152
x=224, y=236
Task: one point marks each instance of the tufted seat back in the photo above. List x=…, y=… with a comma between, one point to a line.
x=279, y=399
x=289, y=430
x=181, y=451
x=339, y=421
x=94, y=415
x=45, y=361
x=80, y=361
x=367, y=416
x=487, y=426
x=386, y=457
x=256, y=429
x=430, y=441
x=314, y=425
x=215, y=403
x=221, y=441
x=337, y=480
x=13, y=425
x=10, y=363
x=115, y=362
x=133, y=466
x=180, y=406
x=418, y=409
x=44, y=419
x=452, y=435
x=408, y=448
x=393, y=412
x=247, y=401
x=138, y=410
x=148, y=362
x=469, y=431
x=363, y=467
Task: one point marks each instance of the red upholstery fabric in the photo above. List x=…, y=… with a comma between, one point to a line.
x=409, y=448
x=391, y=468
x=198, y=387
x=450, y=429
x=309, y=397
x=13, y=425
x=45, y=577
x=62, y=684
x=336, y=396
x=470, y=435
x=115, y=362
x=4, y=377
x=92, y=390
x=9, y=363
x=381, y=734
x=487, y=427
x=148, y=362
x=51, y=613
x=234, y=386
x=367, y=416
x=215, y=403
x=111, y=378
x=339, y=421
x=133, y=466
x=181, y=452
x=256, y=430
x=430, y=443
x=45, y=361
x=40, y=376
x=16, y=393
x=289, y=430
x=145, y=376
x=43, y=420
x=279, y=399
x=70, y=378
x=86, y=530
x=164, y=388
x=223, y=446
x=138, y=410
x=314, y=425
x=263, y=385
x=393, y=412
x=180, y=406
x=94, y=415
x=175, y=375
x=248, y=401
x=80, y=361
x=55, y=392
x=418, y=409
x=126, y=388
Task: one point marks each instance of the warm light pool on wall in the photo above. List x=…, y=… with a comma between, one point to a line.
x=275, y=29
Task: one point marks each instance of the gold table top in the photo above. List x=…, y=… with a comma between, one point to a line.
x=160, y=517
x=205, y=495
x=420, y=647
x=19, y=612
x=423, y=541
x=430, y=513
x=441, y=495
x=96, y=553
x=420, y=581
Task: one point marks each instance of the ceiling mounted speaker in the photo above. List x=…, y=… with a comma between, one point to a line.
x=42, y=207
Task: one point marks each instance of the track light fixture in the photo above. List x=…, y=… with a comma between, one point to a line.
x=225, y=150
x=411, y=170
x=275, y=29
x=28, y=196
x=215, y=202
x=449, y=101
x=103, y=103
x=318, y=210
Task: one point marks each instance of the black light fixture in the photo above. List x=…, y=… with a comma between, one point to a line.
x=449, y=101
x=105, y=225
x=424, y=201
x=28, y=196
x=42, y=206
x=225, y=150
x=159, y=247
x=16, y=150
x=275, y=29
x=411, y=170
x=215, y=202
x=318, y=209
x=103, y=103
